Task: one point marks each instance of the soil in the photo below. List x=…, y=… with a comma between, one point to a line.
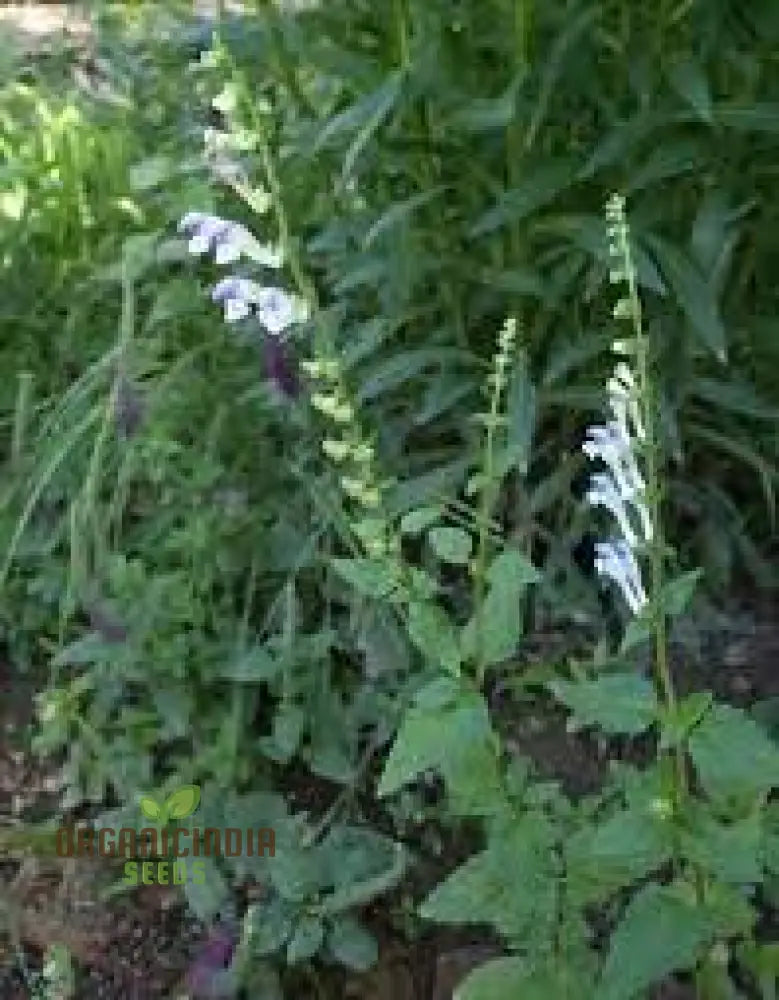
x=141, y=946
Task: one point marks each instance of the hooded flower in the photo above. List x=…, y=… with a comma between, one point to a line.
x=615, y=560
x=276, y=309
x=229, y=241
x=621, y=488
x=237, y=295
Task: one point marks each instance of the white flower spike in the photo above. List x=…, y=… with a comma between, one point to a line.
x=615, y=560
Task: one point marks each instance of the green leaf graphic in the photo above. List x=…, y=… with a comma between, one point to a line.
x=183, y=802
x=150, y=809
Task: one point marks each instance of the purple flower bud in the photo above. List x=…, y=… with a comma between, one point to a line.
x=279, y=367
x=215, y=955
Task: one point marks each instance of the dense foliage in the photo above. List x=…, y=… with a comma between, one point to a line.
x=262, y=564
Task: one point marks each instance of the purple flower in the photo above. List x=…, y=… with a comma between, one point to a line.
x=237, y=295
x=205, y=977
x=277, y=310
x=229, y=240
x=279, y=367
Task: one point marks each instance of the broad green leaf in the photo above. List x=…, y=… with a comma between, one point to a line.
x=306, y=940
x=731, y=852
x=208, y=897
x=637, y=632
x=660, y=932
x=151, y=809
x=496, y=980
x=514, y=978
x=615, y=703
x=371, y=579
x=439, y=693
x=251, y=667
x=429, y=735
x=474, y=781
x=416, y=521
x=289, y=723
x=677, y=594
x=433, y=634
x=496, y=632
x=268, y=926
x=676, y=726
x=451, y=545
x=733, y=755
x=183, y=802
x=352, y=945
x=511, y=886
x=616, y=853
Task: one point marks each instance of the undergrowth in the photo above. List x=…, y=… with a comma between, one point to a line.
x=300, y=545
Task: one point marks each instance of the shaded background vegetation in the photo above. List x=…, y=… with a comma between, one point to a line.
x=166, y=519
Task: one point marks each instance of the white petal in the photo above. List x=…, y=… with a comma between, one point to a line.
x=227, y=252
x=199, y=244
x=235, y=309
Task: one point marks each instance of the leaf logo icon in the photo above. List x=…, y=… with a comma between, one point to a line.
x=180, y=804
x=183, y=802
x=151, y=809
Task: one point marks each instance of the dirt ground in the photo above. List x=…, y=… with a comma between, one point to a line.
x=141, y=946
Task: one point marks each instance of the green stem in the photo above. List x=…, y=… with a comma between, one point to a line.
x=487, y=500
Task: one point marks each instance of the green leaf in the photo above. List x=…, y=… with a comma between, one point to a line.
x=660, y=932
x=677, y=724
x=511, y=886
x=364, y=116
x=733, y=755
x=289, y=723
x=513, y=978
x=268, y=926
x=369, y=578
x=151, y=809
x=496, y=980
x=433, y=634
x=207, y=898
x=694, y=293
x=251, y=667
x=429, y=735
x=500, y=622
x=615, y=703
x=677, y=594
x=352, y=945
x=451, y=545
x=183, y=802
x=483, y=114
x=731, y=852
x=416, y=521
x=689, y=81
x=398, y=213
x=306, y=940
x=616, y=853
x=539, y=188
x=637, y=632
